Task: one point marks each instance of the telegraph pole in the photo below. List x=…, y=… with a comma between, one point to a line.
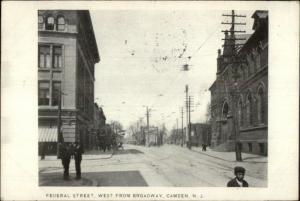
x=187, y=112
x=182, y=136
x=235, y=60
x=147, y=115
x=189, y=130
x=59, y=134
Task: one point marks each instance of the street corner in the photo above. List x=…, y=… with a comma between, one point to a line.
x=56, y=179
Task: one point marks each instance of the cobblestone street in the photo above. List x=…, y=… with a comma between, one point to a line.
x=168, y=165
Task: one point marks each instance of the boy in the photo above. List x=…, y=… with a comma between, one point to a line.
x=238, y=181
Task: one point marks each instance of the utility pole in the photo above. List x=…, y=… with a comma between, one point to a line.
x=157, y=136
x=189, y=125
x=59, y=132
x=235, y=62
x=147, y=116
x=182, y=136
x=187, y=112
x=177, y=131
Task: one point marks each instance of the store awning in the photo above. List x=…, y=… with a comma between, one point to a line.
x=47, y=134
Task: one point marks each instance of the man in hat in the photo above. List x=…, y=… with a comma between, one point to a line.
x=78, y=157
x=238, y=181
x=65, y=155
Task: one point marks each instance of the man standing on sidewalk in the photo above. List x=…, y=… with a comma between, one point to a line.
x=78, y=157
x=65, y=154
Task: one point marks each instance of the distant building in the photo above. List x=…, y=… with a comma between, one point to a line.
x=67, y=53
x=252, y=85
x=98, y=126
x=200, y=134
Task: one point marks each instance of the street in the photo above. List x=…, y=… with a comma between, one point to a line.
x=168, y=165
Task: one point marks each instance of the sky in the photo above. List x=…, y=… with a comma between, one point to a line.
x=142, y=54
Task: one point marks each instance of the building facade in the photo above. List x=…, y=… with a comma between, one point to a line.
x=239, y=109
x=67, y=54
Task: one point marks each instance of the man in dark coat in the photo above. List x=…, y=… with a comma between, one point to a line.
x=238, y=181
x=65, y=155
x=78, y=157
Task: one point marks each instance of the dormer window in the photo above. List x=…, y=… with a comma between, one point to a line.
x=41, y=22
x=50, y=23
x=61, y=23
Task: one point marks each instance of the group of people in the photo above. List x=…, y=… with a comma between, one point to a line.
x=105, y=144
x=68, y=151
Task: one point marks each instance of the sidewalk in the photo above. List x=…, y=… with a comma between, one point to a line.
x=230, y=156
x=88, y=155
x=56, y=179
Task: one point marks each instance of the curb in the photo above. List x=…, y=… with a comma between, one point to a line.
x=226, y=159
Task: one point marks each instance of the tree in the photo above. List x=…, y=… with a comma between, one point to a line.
x=135, y=130
x=208, y=113
x=116, y=126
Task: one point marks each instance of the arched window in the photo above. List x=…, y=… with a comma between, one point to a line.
x=249, y=109
x=240, y=112
x=260, y=105
x=61, y=23
x=225, y=110
x=41, y=21
x=49, y=23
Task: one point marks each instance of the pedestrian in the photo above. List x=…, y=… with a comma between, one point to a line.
x=78, y=157
x=65, y=154
x=43, y=150
x=238, y=181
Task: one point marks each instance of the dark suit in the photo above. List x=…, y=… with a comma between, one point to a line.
x=78, y=157
x=234, y=183
x=65, y=154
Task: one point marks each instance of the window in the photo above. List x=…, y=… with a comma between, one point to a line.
x=61, y=23
x=44, y=93
x=249, y=109
x=261, y=148
x=55, y=93
x=240, y=113
x=225, y=110
x=45, y=52
x=57, y=57
x=250, y=147
x=50, y=23
x=44, y=56
x=41, y=21
x=260, y=106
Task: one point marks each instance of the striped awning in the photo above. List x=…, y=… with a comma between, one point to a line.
x=47, y=134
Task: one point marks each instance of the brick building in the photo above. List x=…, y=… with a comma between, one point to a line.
x=250, y=100
x=67, y=53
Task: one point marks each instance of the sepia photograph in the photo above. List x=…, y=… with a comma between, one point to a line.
x=150, y=100
x=178, y=99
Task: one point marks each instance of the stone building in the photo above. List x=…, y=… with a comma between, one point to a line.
x=239, y=109
x=67, y=54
